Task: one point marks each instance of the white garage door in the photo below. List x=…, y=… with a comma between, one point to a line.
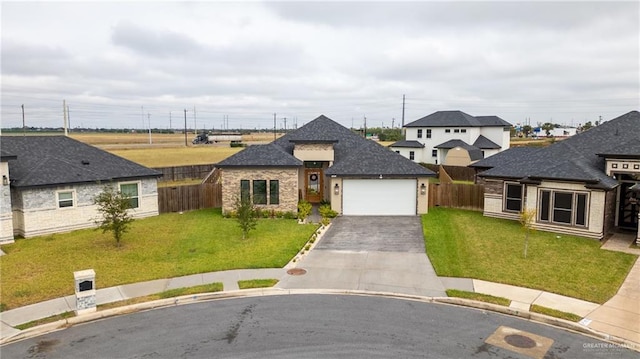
x=386, y=197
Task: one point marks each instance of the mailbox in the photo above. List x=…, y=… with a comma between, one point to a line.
x=85, y=288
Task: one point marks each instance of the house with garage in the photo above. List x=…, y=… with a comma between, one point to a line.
x=453, y=138
x=324, y=161
x=49, y=183
x=587, y=184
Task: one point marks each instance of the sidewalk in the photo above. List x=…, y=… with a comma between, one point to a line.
x=619, y=317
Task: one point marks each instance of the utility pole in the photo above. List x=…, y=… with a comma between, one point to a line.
x=64, y=113
x=185, y=127
x=393, y=121
x=274, y=126
x=402, y=111
x=170, y=121
x=365, y=127
x=149, y=120
x=24, y=128
x=285, y=124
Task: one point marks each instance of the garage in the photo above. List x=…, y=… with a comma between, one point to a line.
x=379, y=197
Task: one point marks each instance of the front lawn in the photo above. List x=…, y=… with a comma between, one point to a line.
x=466, y=244
x=169, y=245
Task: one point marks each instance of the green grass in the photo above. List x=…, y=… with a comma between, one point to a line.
x=205, y=288
x=555, y=313
x=51, y=319
x=478, y=296
x=257, y=283
x=169, y=245
x=465, y=244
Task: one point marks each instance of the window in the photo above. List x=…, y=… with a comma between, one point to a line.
x=259, y=192
x=434, y=153
x=447, y=130
x=456, y=131
x=65, y=199
x=513, y=197
x=419, y=133
x=563, y=207
x=245, y=190
x=412, y=155
x=428, y=133
x=464, y=130
x=274, y=192
x=130, y=190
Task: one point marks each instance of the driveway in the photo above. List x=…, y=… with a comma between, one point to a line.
x=384, y=254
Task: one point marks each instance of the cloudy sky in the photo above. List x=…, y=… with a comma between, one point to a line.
x=119, y=63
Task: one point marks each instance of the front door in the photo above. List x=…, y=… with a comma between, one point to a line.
x=313, y=184
x=629, y=206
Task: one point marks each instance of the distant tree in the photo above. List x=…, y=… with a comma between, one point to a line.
x=113, y=208
x=548, y=127
x=526, y=130
x=527, y=217
x=245, y=215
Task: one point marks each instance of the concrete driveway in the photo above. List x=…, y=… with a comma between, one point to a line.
x=385, y=254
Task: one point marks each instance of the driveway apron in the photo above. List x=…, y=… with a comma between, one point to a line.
x=372, y=253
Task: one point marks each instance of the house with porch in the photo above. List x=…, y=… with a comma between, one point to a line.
x=324, y=161
x=453, y=138
x=587, y=184
x=49, y=182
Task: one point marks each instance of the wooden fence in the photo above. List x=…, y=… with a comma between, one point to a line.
x=458, y=173
x=187, y=198
x=179, y=173
x=455, y=195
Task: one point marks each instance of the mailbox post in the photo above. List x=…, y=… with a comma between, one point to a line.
x=85, y=281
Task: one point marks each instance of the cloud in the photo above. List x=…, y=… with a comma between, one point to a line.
x=152, y=43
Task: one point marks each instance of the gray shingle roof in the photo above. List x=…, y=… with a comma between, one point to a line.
x=6, y=156
x=485, y=143
x=457, y=119
x=576, y=158
x=373, y=160
x=56, y=160
x=474, y=152
x=269, y=155
x=407, y=144
x=353, y=155
x=629, y=149
x=503, y=157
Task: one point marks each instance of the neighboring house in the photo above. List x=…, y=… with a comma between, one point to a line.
x=52, y=181
x=6, y=221
x=581, y=185
x=324, y=161
x=454, y=138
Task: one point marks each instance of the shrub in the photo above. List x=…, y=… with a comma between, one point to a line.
x=325, y=221
x=304, y=209
x=289, y=215
x=326, y=211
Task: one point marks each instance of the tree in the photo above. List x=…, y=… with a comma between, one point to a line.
x=527, y=217
x=245, y=215
x=548, y=127
x=113, y=208
x=526, y=130
x=587, y=126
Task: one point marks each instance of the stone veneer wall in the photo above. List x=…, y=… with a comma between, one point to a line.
x=288, y=178
x=36, y=212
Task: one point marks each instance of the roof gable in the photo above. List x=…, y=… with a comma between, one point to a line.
x=55, y=160
x=485, y=143
x=407, y=144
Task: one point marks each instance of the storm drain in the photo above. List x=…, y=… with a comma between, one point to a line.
x=296, y=271
x=520, y=341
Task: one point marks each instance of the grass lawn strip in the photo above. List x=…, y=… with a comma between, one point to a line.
x=478, y=296
x=165, y=246
x=555, y=313
x=257, y=283
x=466, y=244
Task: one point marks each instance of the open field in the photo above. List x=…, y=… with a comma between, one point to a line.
x=466, y=244
x=176, y=156
x=165, y=246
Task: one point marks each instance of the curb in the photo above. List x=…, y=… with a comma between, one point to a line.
x=247, y=293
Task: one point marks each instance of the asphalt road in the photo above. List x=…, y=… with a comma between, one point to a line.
x=312, y=326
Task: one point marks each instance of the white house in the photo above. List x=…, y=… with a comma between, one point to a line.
x=453, y=138
x=49, y=182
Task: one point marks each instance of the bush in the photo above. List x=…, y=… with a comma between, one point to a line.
x=325, y=221
x=289, y=215
x=304, y=209
x=326, y=211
